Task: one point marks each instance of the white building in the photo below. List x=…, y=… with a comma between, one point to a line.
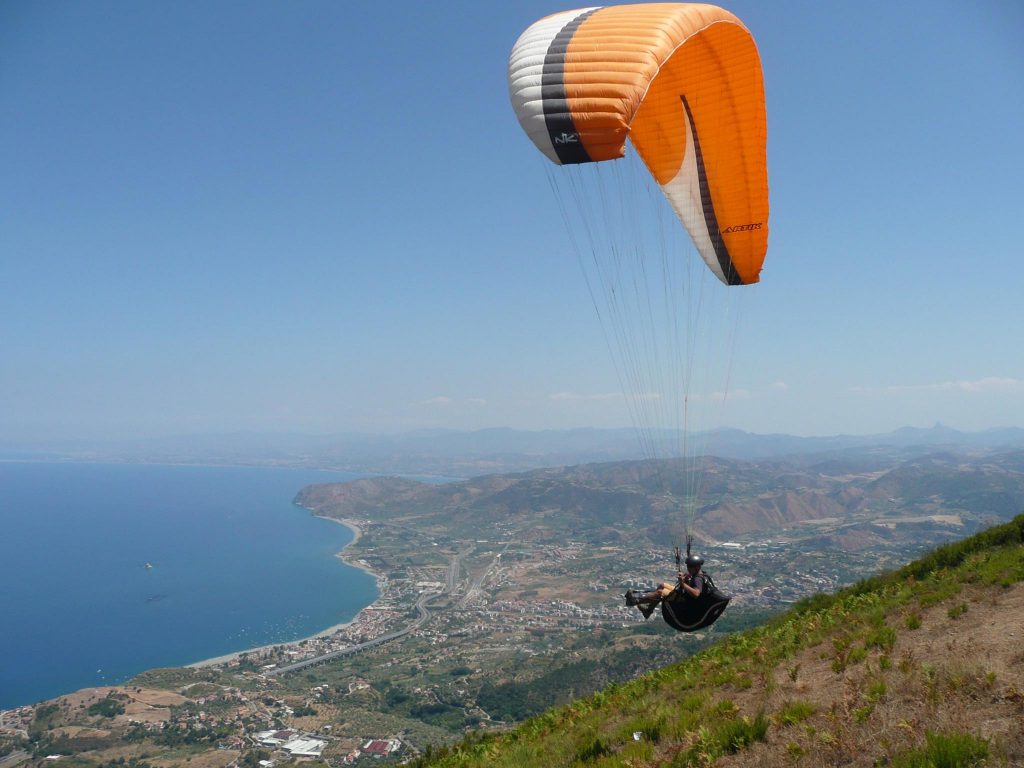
x=296, y=744
x=305, y=746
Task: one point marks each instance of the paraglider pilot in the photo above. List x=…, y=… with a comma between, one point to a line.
x=690, y=584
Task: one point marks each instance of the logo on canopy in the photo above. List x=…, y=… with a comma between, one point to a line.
x=743, y=228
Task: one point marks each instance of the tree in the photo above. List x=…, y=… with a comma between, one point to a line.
x=252, y=758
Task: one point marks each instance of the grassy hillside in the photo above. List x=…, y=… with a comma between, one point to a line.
x=920, y=667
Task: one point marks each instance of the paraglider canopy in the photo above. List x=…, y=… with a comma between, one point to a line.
x=683, y=82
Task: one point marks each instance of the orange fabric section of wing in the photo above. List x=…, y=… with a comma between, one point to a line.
x=718, y=70
x=626, y=69
x=613, y=57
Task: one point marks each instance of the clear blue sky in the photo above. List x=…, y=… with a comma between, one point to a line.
x=323, y=216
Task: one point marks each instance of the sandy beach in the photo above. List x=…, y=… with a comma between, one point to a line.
x=356, y=534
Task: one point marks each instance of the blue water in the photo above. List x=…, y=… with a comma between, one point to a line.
x=235, y=565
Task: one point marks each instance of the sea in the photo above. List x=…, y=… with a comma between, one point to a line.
x=107, y=570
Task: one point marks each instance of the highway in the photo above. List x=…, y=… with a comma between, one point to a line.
x=477, y=584
x=13, y=759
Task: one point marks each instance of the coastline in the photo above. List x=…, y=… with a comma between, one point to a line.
x=357, y=533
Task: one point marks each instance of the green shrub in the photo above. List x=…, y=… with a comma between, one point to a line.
x=652, y=728
x=108, y=707
x=876, y=617
x=861, y=714
x=592, y=750
x=734, y=735
x=794, y=712
x=724, y=738
x=876, y=690
x=883, y=638
x=944, y=750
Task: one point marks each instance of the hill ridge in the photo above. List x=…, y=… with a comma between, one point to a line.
x=739, y=498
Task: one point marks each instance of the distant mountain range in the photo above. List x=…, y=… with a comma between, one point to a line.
x=457, y=454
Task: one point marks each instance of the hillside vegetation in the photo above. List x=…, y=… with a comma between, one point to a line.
x=920, y=667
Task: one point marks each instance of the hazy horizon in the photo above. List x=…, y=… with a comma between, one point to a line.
x=626, y=431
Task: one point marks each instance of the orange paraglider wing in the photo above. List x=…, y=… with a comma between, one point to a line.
x=683, y=82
